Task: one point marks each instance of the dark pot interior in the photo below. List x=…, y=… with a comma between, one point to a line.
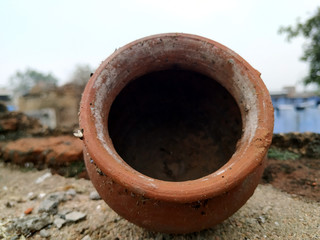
x=175, y=125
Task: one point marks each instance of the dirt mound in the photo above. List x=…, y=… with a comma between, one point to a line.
x=294, y=164
x=63, y=154
x=304, y=144
x=295, y=176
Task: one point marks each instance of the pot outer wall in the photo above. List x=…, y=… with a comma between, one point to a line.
x=176, y=207
x=171, y=217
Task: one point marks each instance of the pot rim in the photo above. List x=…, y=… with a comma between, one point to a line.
x=249, y=154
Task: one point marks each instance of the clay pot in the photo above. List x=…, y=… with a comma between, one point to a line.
x=176, y=128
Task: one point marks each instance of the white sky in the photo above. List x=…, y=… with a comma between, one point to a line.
x=54, y=36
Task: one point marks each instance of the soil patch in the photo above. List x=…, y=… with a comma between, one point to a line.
x=269, y=213
x=295, y=176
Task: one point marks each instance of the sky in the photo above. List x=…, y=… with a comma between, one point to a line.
x=55, y=36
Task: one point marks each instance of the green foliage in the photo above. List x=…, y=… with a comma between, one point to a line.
x=22, y=82
x=278, y=154
x=310, y=30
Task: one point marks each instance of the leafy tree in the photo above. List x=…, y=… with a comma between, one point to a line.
x=81, y=74
x=310, y=29
x=23, y=82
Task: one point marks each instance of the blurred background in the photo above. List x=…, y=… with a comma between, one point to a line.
x=49, y=48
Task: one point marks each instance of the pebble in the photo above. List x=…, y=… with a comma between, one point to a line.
x=261, y=219
x=31, y=196
x=95, y=196
x=42, y=195
x=51, y=202
x=28, y=210
x=71, y=192
x=63, y=213
x=9, y=204
x=43, y=177
x=57, y=196
x=86, y=237
x=49, y=206
x=17, y=237
x=75, y=216
x=59, y=222
x=29, y=224
x=44, y=233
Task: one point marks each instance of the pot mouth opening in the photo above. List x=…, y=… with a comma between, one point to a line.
x=175, y=125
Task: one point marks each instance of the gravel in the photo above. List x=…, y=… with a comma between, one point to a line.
x=94, y=195
x=269, y=213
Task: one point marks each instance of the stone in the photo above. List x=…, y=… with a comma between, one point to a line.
x=28, y=210
x=9, y=204
x=51, y=202
x=62, y=214
x=49, y=206
x=43, y=177
x=75, y=216
x=31, y=196
x=59, y=222
x=57, y=196
x=261, y=219
x=41, y=195
x=44, y=233
x=71, y=192
x=86, y=237
x=95, y=195
x=30, y=224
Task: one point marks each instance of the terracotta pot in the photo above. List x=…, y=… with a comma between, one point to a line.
x=176, y=129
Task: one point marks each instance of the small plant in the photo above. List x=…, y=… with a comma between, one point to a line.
x=279, y=154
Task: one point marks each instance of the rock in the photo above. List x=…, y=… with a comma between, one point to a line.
x=43, y=177
x=59, y=222
x=28, y=210
x=9, y=204
x=51, y=202
x=30, y=224
x=44, y=233
x=49, y=206
x=75, y=216
x=57, y=196
x=95, y=195
x=63, y=213
x=31, y=196
x=71, y=192
x=261, y=219
x=41, y=195
x=86, y=237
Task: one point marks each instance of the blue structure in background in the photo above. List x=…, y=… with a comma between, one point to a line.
x=296, y=113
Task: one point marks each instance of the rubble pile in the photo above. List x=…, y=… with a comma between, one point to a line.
x=47, y=214
x=14, y=125
x=24, y=141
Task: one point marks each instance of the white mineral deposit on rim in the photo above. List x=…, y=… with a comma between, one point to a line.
x=103, y=83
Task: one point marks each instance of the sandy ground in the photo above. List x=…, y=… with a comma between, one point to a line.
x=269, y=214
